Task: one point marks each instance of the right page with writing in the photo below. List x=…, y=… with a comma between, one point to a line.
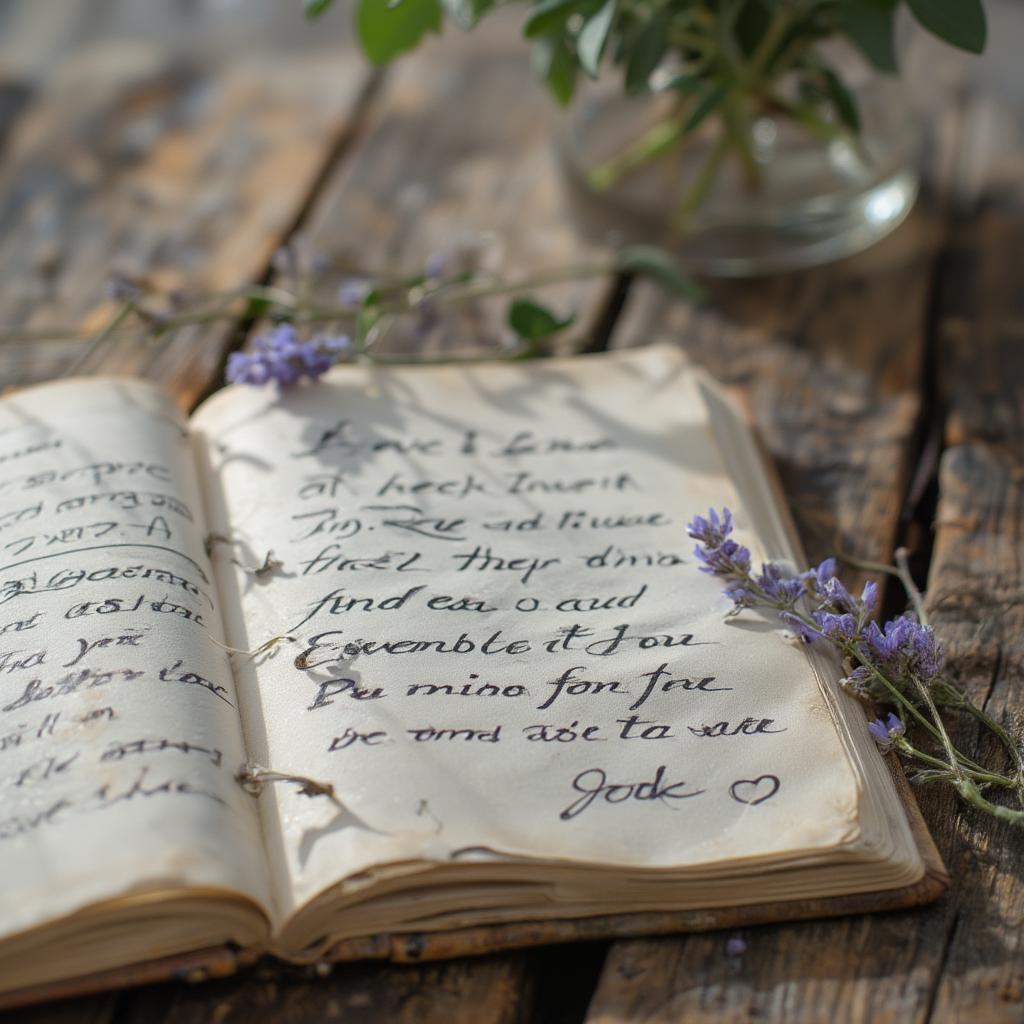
x=499, y=639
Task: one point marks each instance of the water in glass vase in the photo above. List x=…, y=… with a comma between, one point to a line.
x=802, y=197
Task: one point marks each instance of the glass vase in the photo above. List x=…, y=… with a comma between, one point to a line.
x=802, y=197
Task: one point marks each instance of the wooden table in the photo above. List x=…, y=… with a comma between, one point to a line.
x=188, y=140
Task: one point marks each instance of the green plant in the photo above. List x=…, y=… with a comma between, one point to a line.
x=732, y=60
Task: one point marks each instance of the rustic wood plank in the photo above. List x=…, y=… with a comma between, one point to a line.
x=492, y=990
x=188, y=175
x=35, y=37
x=457, y=152
x=831, y=361
x=91, y=1010
x=976, y=584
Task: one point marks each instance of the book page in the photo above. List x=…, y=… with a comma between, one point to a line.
x=119, y=728
x=499, y=640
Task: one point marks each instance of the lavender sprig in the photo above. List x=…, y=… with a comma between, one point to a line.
x=899, y=664
x=282, y=357
x=322, y=308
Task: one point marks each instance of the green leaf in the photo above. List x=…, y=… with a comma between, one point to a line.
x=842, y=99
x=366, y=319
x=547, y=17
x=531, y=321
x=959, y=22
x=683, y=83
x=592, y=38
x=711, y=100
x=314, y=8
x=466, y=13
x=751, y=25
x=727, y=13
x=659, y=265
x=871, y=27
x=387, y=28
x=256, y=307
x=555, y=64
x=645, y=54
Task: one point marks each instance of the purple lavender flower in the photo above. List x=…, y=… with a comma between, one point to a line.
x=880, y=732
x=837, y=597
x=353, y=290
x=885, y=733
x=800, y=629
x=436, y=265
x=730, y=559
x=741, y=595
x=837, y=628
x=859, y=683
x=784, y=591
x=123, y=288
x=723, y=557
x=903, y=649
x=280, y=356
x=816, y=578
x=712, y=531
x=895, y=725
x=833, y=595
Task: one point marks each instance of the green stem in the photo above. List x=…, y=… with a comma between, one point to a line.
x=692, y=41
x=895, y=695
x=902, y=557
x=817, y=126
x=15, y=336
x=980, y=775
x=970, y=792
x=908, y=707
x=737, y=127
x=660, y=139
x=1004, y=737
x=101, y=336
x=865, y=564
x=773, y=34
x=902, y=572
x=580, y=272
x=698, y=191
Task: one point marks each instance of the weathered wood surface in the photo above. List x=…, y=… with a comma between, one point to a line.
x=190, y=157
x=186, y=172
x=455, y=160
x=976, y=581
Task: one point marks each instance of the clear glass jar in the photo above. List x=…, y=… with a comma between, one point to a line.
x=804, y=200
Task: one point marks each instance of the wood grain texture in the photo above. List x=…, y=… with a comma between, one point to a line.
x=187, y=175
x=456, y=153
x=489, y=991
x=976, y=583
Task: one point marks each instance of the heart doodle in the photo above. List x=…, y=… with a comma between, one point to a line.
x=754, y=791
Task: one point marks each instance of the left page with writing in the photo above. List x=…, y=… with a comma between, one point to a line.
x=123, y=833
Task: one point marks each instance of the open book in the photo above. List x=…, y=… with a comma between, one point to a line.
x=410, y=662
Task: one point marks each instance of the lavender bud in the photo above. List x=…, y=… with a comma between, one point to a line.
x=880, y=732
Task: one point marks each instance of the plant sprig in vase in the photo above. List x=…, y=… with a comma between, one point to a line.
x=732, y=61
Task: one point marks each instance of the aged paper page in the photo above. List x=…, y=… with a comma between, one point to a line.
x=119, y=728
x=499, y=637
